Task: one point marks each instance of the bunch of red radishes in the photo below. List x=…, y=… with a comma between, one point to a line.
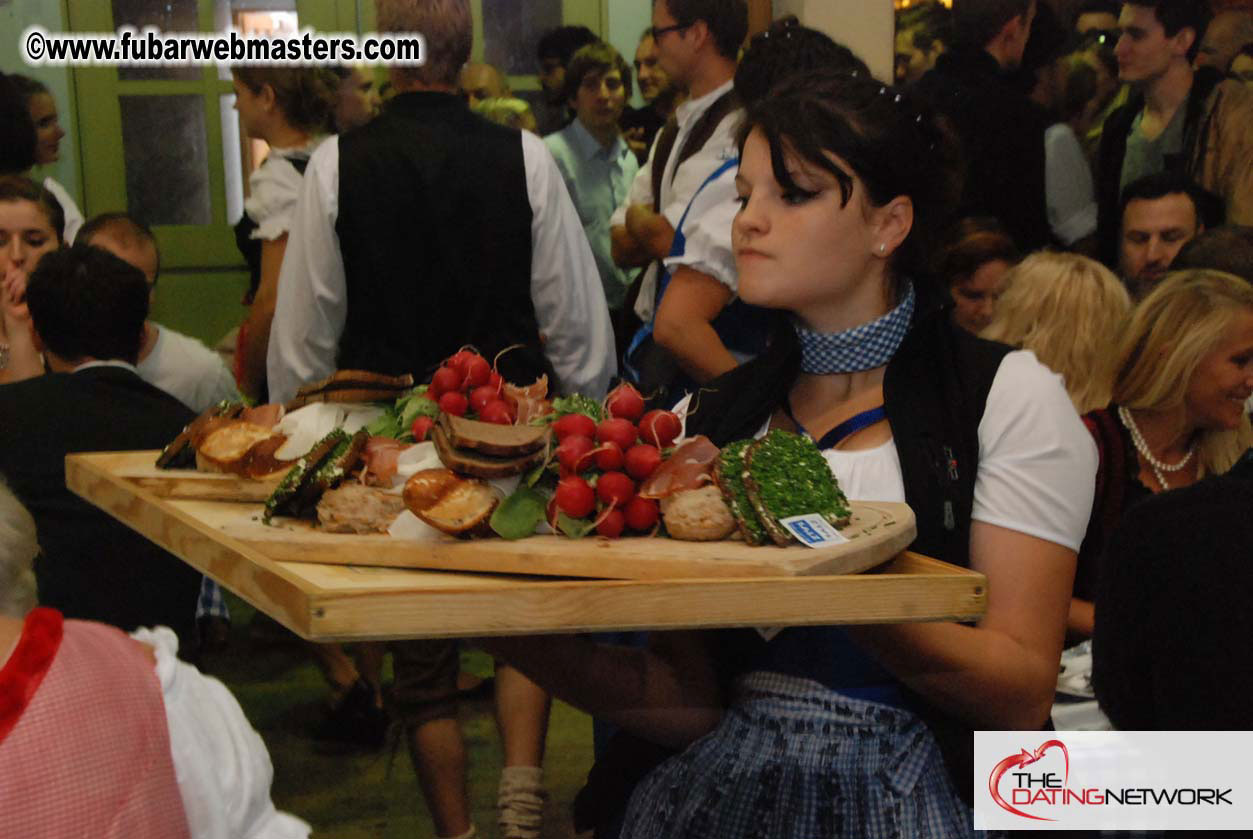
x=467, y=383
x=602, y=464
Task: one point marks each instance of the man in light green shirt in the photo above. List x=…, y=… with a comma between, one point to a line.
x=594, y=159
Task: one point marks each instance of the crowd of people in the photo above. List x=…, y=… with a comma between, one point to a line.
x=1010, y=288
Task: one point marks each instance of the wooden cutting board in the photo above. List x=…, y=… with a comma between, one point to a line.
x=184, y=484
x=878, y=531
x=337, y=602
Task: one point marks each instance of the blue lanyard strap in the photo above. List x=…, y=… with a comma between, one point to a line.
x=844, y=430
x=677, y=248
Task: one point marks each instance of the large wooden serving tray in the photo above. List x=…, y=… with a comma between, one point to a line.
x=353, y=602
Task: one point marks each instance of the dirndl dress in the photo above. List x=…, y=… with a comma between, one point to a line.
x=792, y=759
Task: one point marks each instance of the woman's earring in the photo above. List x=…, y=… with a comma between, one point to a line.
x=883, y=248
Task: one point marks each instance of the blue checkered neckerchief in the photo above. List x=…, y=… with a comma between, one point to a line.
x=863, y=347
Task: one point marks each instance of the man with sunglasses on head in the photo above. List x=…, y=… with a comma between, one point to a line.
x=697, y=44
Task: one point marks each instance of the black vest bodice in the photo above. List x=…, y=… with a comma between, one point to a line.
x=434, y=225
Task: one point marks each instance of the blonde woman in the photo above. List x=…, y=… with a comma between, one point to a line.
x=1182, y=370
x=1061, y=307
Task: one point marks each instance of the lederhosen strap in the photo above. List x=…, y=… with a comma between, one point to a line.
x=694, y=142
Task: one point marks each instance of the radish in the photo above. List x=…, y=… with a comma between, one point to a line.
x=641, y=514
x=574, y=424
x=454, y=403
x=625, y=402
x=421, y=428
x=620, y=431
x=477, y=371
x=615, y=489
x=460, y=359
x=612, y=524
x=575, y=497
x=660, y=428
x=497, y=411
x=447, y=380
x=480, y=396
x=572, y=451
x=642, y=461
x=608, y=457
x=496, y=381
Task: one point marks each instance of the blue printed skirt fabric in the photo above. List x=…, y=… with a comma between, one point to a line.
x=793, y=760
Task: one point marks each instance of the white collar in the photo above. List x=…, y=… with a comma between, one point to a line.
x=87, y=365
x=693, y=108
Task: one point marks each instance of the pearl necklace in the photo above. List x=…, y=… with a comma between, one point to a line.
x=1158, y=467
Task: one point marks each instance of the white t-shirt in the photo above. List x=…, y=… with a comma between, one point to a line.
x=187, y=370
x=1037, y=462
x=1070, y=196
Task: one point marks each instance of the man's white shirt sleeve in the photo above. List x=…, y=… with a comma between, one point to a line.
x=565, y=284
x=312, y=293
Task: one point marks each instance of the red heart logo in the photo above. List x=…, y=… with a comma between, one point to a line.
x=1024, y=758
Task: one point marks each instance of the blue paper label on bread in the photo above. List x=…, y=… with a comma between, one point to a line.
x=813, y=531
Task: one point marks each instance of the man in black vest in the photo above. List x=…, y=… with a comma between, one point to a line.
x=1001, y=130
x=427, y=229
x=88, y=309
x=430, y=228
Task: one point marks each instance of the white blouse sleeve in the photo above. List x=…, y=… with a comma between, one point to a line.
x=1037, y=461
x=223, y=768
x=272, y=193
x=707, y=232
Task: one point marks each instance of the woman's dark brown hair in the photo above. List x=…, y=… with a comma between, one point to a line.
x=19, y=188
x=305, y=95
x=895, y=144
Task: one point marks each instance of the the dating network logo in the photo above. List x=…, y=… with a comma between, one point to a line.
x=1027, y=787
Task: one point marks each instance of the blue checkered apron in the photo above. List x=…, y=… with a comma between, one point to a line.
x=791, y=759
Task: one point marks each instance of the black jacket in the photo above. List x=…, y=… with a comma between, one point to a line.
x=91, y=566
x=1002, y=137
x=1171, y=647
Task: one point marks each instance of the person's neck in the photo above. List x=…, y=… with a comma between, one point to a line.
x=403, y=84
x=286, y=137
x=868, y=301
x=1164, y=95
x=151, y=334
x=605, y=136
x=664, y=104
x=999, y=54
x=1168, y=434
x=57, y=364
x=709, y=75
x=10, y=634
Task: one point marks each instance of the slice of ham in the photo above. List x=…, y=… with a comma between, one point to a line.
x=261, y=461
x=379, y=460
x=530, y=401
x=265, y=415
x=690, y=467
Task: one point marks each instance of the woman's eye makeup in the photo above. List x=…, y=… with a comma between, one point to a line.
x=798, y=196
